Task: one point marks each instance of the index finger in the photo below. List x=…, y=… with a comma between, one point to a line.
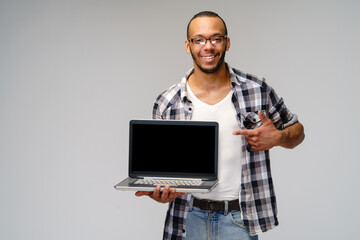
x=165, y=193
x=157, y=193
x=242, y=132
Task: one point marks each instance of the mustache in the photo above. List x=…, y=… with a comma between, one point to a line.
x=214, y=69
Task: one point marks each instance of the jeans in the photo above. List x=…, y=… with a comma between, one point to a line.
x=207, y=225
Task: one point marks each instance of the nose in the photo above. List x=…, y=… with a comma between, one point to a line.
x=208, y=44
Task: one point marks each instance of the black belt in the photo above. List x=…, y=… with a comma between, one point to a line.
x=216, y=206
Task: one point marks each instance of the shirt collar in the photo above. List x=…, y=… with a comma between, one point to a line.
x=234, y=78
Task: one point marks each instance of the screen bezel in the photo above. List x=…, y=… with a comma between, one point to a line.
x=204, y=176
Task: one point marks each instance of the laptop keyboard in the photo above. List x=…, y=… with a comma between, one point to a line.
x=163, y=182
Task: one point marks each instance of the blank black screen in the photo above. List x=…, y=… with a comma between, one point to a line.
x=173, y=148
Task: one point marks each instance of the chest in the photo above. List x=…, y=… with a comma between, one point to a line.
x=212, y=97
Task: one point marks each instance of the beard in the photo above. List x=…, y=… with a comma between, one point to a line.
x=211, y=70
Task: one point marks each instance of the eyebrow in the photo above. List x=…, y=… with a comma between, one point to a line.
x=215, y=34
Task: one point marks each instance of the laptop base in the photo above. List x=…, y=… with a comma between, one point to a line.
x=129, y=185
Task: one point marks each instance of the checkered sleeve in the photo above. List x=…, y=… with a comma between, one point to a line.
x=166, y=105
x=280, y=115
x=156, y=113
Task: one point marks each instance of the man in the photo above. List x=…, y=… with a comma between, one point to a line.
x=252, y=119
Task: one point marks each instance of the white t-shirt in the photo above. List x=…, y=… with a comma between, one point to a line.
x=229, y=165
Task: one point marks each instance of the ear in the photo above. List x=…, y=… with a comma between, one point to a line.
x=227, y=43
x=187, y=46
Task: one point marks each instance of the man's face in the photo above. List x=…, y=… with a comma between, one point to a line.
x=209, y=57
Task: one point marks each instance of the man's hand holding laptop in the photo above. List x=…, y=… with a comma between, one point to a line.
x=166, y=196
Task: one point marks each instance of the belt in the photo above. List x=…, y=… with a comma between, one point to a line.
x=216, y=206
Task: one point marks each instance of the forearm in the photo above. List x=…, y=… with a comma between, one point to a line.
x=292, y=136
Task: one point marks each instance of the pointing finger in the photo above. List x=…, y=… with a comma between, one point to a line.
x=241, y=132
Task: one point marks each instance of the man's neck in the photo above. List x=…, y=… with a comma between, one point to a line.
x=210, y=81
x=210, y=88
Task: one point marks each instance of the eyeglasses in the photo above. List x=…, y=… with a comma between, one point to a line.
x=213, y=40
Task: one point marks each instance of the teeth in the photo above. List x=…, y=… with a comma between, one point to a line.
x=208, y=57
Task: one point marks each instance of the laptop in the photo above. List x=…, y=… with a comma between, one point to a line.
x=183, y=154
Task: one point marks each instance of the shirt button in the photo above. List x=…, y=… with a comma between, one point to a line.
x=183, y=230
x=190, y=109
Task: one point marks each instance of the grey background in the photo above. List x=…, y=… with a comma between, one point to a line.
x=73, y=73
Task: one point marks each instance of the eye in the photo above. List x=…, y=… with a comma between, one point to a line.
x=217, y=39
x=198, y=40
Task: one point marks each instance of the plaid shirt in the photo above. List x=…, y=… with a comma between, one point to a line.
x=257, y=197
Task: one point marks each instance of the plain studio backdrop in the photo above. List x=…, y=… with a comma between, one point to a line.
x=73, y=73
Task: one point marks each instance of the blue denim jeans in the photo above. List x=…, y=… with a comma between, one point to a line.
x=207, y=225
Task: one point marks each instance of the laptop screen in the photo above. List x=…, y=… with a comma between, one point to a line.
x=173, y=148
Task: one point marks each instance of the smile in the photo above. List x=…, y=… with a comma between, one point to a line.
x=208, y=57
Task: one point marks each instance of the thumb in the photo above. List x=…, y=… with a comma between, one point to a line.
x=142, y=193
x=263, y=118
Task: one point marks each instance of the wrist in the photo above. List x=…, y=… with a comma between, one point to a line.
x=283, y=138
